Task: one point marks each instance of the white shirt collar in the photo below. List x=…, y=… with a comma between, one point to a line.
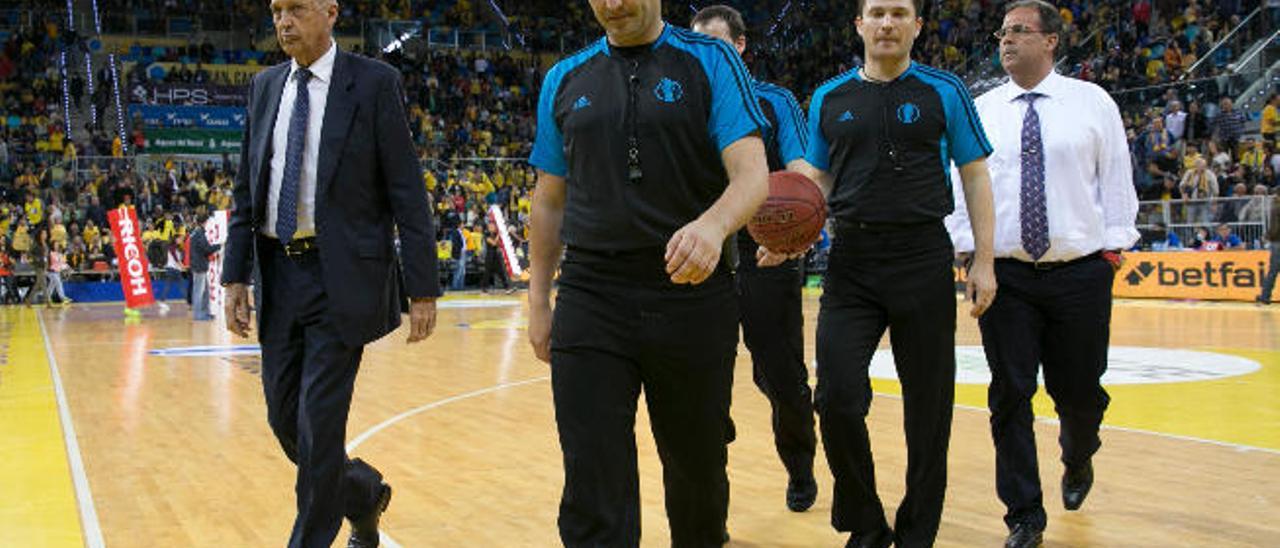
x=1046, y=87
x=322, y=68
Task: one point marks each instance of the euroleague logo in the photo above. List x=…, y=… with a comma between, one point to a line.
x=668, y=91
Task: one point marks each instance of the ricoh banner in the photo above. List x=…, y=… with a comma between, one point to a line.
x=135, y=274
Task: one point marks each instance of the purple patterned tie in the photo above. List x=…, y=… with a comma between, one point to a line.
x=287, y=206
x=1035, y=221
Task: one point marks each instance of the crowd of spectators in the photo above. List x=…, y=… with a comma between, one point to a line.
x=468, y=110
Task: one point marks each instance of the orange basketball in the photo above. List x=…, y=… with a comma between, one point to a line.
x=791, y=219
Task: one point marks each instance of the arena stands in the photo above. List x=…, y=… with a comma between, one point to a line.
x=1168, y=63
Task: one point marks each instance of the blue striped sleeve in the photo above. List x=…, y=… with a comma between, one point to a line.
x=792, y=134
x=548, y=144
x=966, y=140
x=735, y=113
x=818, y=152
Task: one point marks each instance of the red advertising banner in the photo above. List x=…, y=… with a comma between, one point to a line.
x=509, y=258
x=134, y=277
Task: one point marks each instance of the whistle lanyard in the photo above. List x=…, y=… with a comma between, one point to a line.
x=634, y=173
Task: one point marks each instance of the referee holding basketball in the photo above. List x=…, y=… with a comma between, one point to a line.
x=881, y=140
x=769, y=298
x=649, y=159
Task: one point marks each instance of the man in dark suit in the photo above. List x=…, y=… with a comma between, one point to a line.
x=328, y=177
x=200, y=249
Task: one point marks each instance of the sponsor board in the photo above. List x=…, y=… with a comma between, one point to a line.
x=172, y=116
x=193, y=141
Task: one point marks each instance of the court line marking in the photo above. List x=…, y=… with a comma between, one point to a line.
x=1046, y=420
x=89, y=524
x=391, y=543
x=364, y=436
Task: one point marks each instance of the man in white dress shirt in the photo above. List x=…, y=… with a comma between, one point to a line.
x=1065, y=206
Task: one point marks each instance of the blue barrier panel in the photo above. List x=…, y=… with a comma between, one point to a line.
x=99, y=292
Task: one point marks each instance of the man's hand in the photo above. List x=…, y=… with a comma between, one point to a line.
x=694, y=252
x=766, y=258
x=422, y=318
x=540, y=327
x=236, y=309
x=981, y=287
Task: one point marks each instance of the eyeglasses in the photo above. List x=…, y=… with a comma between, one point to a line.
x=1017, y=30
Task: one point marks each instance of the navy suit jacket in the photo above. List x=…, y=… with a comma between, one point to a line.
x=368, y=189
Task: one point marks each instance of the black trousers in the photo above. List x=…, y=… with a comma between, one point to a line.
x=899, y=278
x=1060, y=318
x=308, y=375
x=494, y=269
x=1269, y=283
x=619, y=327
x=773, y=329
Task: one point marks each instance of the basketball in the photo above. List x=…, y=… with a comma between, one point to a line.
x=791, y=219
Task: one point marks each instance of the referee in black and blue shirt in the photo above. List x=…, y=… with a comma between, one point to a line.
x=881, y=142
x=649, y=160
x=769, y=298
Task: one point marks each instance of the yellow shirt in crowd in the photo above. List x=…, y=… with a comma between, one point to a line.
x=90, y=233
x=1270, y=119
x=58, y=234
x=35, y=211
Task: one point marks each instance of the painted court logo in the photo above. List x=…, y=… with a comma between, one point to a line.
x=581, y=103
x=668, y=91
x=846, y=117
x=1125, y=365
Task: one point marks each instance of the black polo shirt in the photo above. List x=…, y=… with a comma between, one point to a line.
x=784, y=141
x=681, y=100
x=890, y=145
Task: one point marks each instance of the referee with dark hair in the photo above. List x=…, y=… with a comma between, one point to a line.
x=881, y=140
x=649, y=160
x=769, y=298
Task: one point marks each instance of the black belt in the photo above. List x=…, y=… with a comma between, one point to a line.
x=299, y=247
x=1050, y=265
x=849, y=226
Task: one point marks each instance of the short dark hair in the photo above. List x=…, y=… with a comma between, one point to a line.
x=917, y=5
x=1050, y=19
x=731, y=17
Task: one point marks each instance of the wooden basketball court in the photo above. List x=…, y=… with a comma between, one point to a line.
x=153, y=432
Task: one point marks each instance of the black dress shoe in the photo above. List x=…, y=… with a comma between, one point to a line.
x=364, y=531
x=879, y=539
x=801, y=492
x=1076, y=482
x=1025, y=535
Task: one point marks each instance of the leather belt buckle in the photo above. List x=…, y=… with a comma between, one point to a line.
x=299, y=247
